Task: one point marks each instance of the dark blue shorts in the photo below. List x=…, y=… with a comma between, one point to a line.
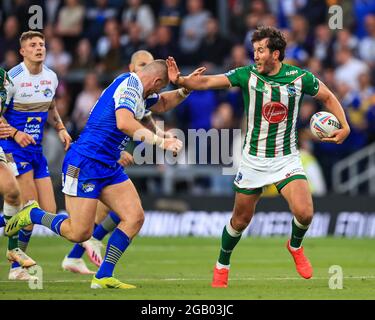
x=85, y=177
x=23, y=161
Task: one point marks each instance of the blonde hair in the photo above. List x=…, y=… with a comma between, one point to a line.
x=29, y=35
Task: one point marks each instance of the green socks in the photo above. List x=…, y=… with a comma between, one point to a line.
x=298, y=232
x=229, y=240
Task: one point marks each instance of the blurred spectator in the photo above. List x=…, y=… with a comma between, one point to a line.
x=20, y=9
x=170, y=15
x=133, y=43
x=10, y=39
x=301, y=32
x=193, y=30
x=238, y=58
x=50, y=10
x=140, y=14
x=163, y=44
x=361, y=9
x=294, y=52
x=84, y=58
x=315, y=67
x=70, y=23
x=315, y=12
x=111, y=27
x=86, y=99
x=57, y=58
x=112, y=58
x=349, y=68
x=11, y=59
x=345, y=39
x=367, y=44
x=95, y=19
x=214, y=47
x=323, y=45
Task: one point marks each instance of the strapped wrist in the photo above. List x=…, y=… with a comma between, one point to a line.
x=14, y=134
x=183, y=92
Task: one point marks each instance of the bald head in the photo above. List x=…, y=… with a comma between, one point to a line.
x=154, y=76
x=159, y=69
x=139, y=59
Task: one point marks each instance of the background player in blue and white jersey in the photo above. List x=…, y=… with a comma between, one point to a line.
x=31, y=105
x=91, y=171
x=106, y=219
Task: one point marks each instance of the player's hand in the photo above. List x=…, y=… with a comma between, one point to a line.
x=338, y=136
x=197, y=72
x=172, y=144
x=126, y=159
x=65, y=138
x=23, y=139
x=5, y=130
x=173, y=70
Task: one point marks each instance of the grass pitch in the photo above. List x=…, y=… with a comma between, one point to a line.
x=181, y=268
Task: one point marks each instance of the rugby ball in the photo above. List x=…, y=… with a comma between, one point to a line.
x=322, y=124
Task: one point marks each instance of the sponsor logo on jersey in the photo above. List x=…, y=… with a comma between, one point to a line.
x=26, y=84
x=292, y=92
x=29, y=119
x=274, y=112
x=45, y=82
x=47, y=92
x=88, y=187
x=290, y=73
x=25, y=95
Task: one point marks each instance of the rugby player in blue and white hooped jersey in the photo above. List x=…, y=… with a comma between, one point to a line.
x=31, y=105
x=91, y=171
x=106, y=219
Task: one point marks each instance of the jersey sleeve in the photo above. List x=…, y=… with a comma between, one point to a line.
x=310, y=84
x=151, y=100
x=238, y=77
x=126, y=98
x=234, y=77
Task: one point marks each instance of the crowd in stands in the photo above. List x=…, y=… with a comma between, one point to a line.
x=90, y=42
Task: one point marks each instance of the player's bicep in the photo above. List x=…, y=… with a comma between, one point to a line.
x=124, y=119
x=323, y=93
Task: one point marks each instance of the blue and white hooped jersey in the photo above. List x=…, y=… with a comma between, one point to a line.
x=29, y=99
x=101, y=139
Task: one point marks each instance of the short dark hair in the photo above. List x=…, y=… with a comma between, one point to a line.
x=29, y=35
x=276, y=40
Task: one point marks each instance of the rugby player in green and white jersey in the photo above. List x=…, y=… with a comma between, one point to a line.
x=272, y=92
x=10, y=191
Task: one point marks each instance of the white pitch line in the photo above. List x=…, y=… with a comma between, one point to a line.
x=199, y=279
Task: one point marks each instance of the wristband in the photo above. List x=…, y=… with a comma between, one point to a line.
x=14, y=134
x=183, y=93
x=60, y=127
x=155, y=140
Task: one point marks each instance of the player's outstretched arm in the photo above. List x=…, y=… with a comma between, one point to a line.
x=334, y=106
x=171, y=99
x=55, y=120
x=196, y=82
x=126, y=123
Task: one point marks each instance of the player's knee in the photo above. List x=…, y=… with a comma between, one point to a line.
x=12, y=195
x=239, y=223
x=304, y=214
x=80, y=235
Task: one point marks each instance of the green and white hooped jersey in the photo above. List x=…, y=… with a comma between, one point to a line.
x=271, y=105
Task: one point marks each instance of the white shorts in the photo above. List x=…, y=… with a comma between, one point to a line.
x=255, y=173
x=2, y=155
